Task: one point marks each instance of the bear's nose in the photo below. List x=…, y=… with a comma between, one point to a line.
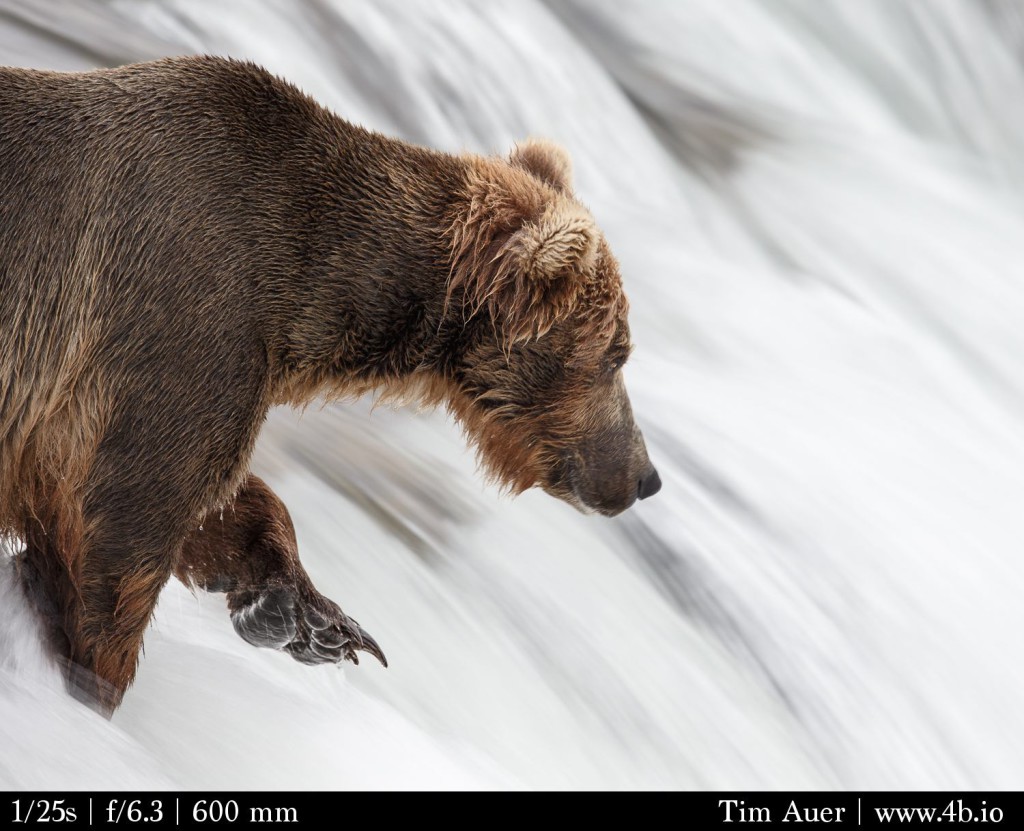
x=649, y=485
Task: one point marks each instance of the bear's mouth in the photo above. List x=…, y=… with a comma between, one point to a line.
x=565, y=481
x=561, y=481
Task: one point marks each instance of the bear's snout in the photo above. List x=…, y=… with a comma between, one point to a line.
x=609, y=482
x=649, y=484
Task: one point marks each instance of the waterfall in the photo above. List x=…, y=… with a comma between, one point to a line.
x=816, y=206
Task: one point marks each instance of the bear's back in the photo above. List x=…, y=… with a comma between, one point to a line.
x=56, y=127
x=118, y=189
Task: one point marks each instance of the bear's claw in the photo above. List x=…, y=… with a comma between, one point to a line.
x=306, y=625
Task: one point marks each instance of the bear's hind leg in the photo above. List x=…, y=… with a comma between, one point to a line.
x=119, y=591
x=93, y=609
x=46, y=581
x=249, y=551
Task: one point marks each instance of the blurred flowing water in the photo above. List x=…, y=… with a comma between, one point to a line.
x=817, y=208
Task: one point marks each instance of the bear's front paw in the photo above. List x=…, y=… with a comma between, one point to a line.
x=311, y=628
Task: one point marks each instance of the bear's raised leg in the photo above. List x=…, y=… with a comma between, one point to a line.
x=249, y=551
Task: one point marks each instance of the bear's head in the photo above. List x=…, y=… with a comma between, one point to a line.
x=537, y=380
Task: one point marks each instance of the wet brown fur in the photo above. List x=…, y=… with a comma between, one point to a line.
x=186, y=243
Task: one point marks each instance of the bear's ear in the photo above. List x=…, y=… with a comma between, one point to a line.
x=527, y=277
x=546, y=160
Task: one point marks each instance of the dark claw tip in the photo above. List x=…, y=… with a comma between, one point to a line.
x=371, y=646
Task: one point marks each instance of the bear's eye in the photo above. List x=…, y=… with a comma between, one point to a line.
x=616, y=357
x=616, y=362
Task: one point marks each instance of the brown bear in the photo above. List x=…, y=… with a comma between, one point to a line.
x=189, y=242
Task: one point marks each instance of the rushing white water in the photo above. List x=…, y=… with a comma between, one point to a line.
x=816, y=206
